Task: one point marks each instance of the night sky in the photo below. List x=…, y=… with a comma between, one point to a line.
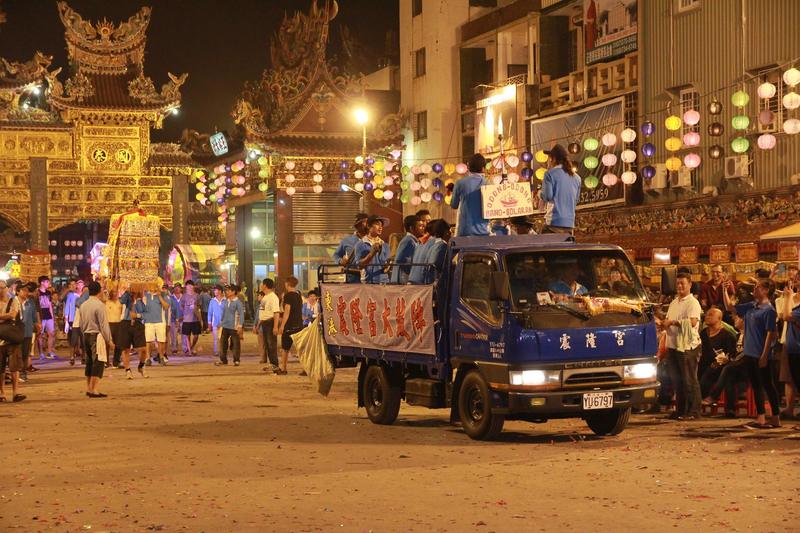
x=220, y=43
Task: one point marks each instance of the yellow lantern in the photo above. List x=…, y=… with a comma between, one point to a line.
x=378, y=193
x=540, y=173
x=541, y=157
x=673, y=164
x=673, y=123
x=449, y=168
x=673, y=144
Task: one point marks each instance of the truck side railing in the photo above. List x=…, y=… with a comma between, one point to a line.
x=333, y=273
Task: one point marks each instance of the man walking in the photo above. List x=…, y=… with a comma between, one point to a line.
x=30, y=323
x=175, y=318
x=683, y=349
x=215, y=316
x=11, y=353
x=269, y=316
x=155, y=324
x=231, y=324
x=190, y=312
x=96, y=337
x=467, y=199
x=205, y=300
x=47, y=339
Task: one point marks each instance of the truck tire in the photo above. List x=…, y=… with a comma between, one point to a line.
x=381, y=395
x=609, y=422
x=475, y=408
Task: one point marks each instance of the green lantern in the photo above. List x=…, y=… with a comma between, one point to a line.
x=591, y=162
x=740, y=145
x=740, y=122
x=740, y=98
x=591, y=182
x=405, y=170
x=405, y=197
x=591, y=144
x=263, y=173
x=262, y=186
x=405, y=185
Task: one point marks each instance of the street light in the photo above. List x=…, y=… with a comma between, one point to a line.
x=362, y=117
x=255, y=233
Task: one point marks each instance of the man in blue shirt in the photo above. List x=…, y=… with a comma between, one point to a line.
x=468, y=200
x=75, y=332
x=175, y=318
x=372, y=253
x=433, y=254
x=344, y=255
x=232, y=325
x=560, y=190
x=30, y=323
x=567, y=284
x=405, y=250
x=215, y=315
x=760, y=332
x=155, y=323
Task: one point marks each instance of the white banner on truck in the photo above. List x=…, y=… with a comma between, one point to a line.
x=384, y=317
x=506, y=200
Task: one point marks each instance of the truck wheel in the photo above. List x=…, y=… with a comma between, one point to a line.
x=475, y=408
x=381, y=396
x=609, y=422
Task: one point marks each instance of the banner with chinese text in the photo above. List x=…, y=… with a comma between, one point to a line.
x=384, y=317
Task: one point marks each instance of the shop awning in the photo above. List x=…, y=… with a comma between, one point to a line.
x=788, y=233
x=199, y=254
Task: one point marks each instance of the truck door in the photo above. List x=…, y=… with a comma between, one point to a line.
x=476, y=331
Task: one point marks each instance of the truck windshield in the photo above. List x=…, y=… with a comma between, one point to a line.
x=575, y=288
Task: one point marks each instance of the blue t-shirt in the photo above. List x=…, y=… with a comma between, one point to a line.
x=560, y=190
x=467, y=199
x=373, y=273
x=69, y=305
x=82, y=298
x=759, y=320
x=347, y=248
x=793, y=333
x=436, y=256
x=404, y=257
x=417, y=274
x=561, y=287
x=153, y=312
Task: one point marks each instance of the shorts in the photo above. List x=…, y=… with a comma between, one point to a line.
x=132, y=334
x=286, y=339
x=11, y=358
x=48, y=326
x=190, y=328
x=155, y=332
x=94, y=367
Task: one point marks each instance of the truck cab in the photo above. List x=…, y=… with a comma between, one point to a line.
x=530, y=327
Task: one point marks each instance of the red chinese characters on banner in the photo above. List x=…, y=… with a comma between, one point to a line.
x=355, y=315
x=341, y=307
x=373, y=326
x=400, y=318
x=387, y=324
x=417, y=316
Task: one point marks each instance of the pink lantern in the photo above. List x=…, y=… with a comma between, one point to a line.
x=609, y=180
x=388, y=195
x=691, y=117
x=766, y=90
x=692, y=160
x=388, y=182
x=290, y=191
x=767, y=141
x=765, y=117
x=416, y=170
x=415, y=186
x=609, y=159
x=426, y=168
x=461, y=168
x=416, y=200
x=692, y=138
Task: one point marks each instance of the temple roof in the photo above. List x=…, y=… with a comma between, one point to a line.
x=169, y=155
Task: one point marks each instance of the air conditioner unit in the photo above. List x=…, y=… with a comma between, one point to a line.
x=737, y=166
x=682, y=179
x=658, y=183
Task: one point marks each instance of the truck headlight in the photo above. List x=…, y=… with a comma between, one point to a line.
x=640, y=372
x=544, y=379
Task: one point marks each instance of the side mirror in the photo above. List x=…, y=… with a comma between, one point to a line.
x=498, y=287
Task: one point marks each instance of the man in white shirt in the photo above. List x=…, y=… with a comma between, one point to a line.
x=269, y=314
x=682, y=327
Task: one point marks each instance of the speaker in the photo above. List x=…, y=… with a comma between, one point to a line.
x=668, y=280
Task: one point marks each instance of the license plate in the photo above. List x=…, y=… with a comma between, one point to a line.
x=598, y=400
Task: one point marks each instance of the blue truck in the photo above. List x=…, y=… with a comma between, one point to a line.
x=529, y=327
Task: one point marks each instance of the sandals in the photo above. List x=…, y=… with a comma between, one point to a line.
x=18, y=398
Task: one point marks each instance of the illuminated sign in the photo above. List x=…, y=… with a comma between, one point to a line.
x=218, y=144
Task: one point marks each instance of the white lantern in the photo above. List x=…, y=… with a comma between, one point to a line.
x=628, y=177
x=628, y=156
x=416, y=200
x=317, y=189
x=317, y=166
x=53, y=257
x=415, y=186
x=426, y=196
x=513, y=161
x=359, y=174
x=317, y=178
x=766, y=90
x=610, y=179
x=425, y=183
x=791, y=77
x=289, y=178
x=388, y=195
x=359, y=187
x=609, y=139
x=53, y=243
x=289, y=165
x=628, y=135
x=388, y=182
x=426, y=168
x=290, y=191
x=73, y=243
x=791, y=100
x=609, y=160
x=512, y=177
x=497, y=179
x=791, y=126
x=767, y=141
x=80, y=257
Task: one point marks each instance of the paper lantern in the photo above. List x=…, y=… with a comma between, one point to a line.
x=404, y=198
x=368, y=186
x=262, y=187
x=415, y=186
x=648, y=128
x=609, y=139
x=527, y=173
x=388, y=181
x=673, y=123
x=289, y=165
x=317, y=178
x=369, y=174
x=673, y=144
x=648, y=149
x=388, y=195
x=199, y=196
x=416, y=200
x=740, y=122
x=426, y=197
x=628, y=156
x=628, y=177
x=404, y=185
x=691, y=117
x=540, y=172
x=609, y=160
x=437, y=167
x=591, y=182
x=648, y=171
x=358, y=174
x=359, y=160
x=673, y=164
x=715, y=152
x=425, y=168
x=497, y=179
x=609, y=180
x=766, y=117
x=263, y=173
x=740, y=98
x=628, y=135
x=290, y=191
x=691, y=160
x=378, y=193
x=461, y=168
x=791, y=100
x=767, y=141
x=512, y=177
x=574, y=148
x=527, y=156
x=344, y=176
x=714, y=107
x=289, y=178
x=449, y=168
x=740, y=145
x=590, y=162
x=591, y=144
x=317, y=188
x=715, y=129
x=541, y=157
x=691, y=138
x=512, y=161
x=358, y=187
x=791, y=126
x=791, y=77
x=438, y=197
x=436, y=182
x=425, y=183
x=766, y=90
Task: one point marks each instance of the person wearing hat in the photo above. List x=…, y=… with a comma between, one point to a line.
x=561, y=187
x=468, y=200
x=522, y=225
x=372, y=253
x=344, y=255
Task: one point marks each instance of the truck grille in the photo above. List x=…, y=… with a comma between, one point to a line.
x=592, y=378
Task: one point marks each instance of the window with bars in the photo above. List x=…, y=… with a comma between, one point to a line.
x=687, y=5
x=416, y=7
x=420, y=125
x=689, y=99
x=773, y=104
x=419, y=62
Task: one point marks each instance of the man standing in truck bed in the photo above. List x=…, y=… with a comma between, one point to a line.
x=467, y=199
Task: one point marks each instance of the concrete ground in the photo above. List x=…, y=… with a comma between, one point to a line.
x=203, y=448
